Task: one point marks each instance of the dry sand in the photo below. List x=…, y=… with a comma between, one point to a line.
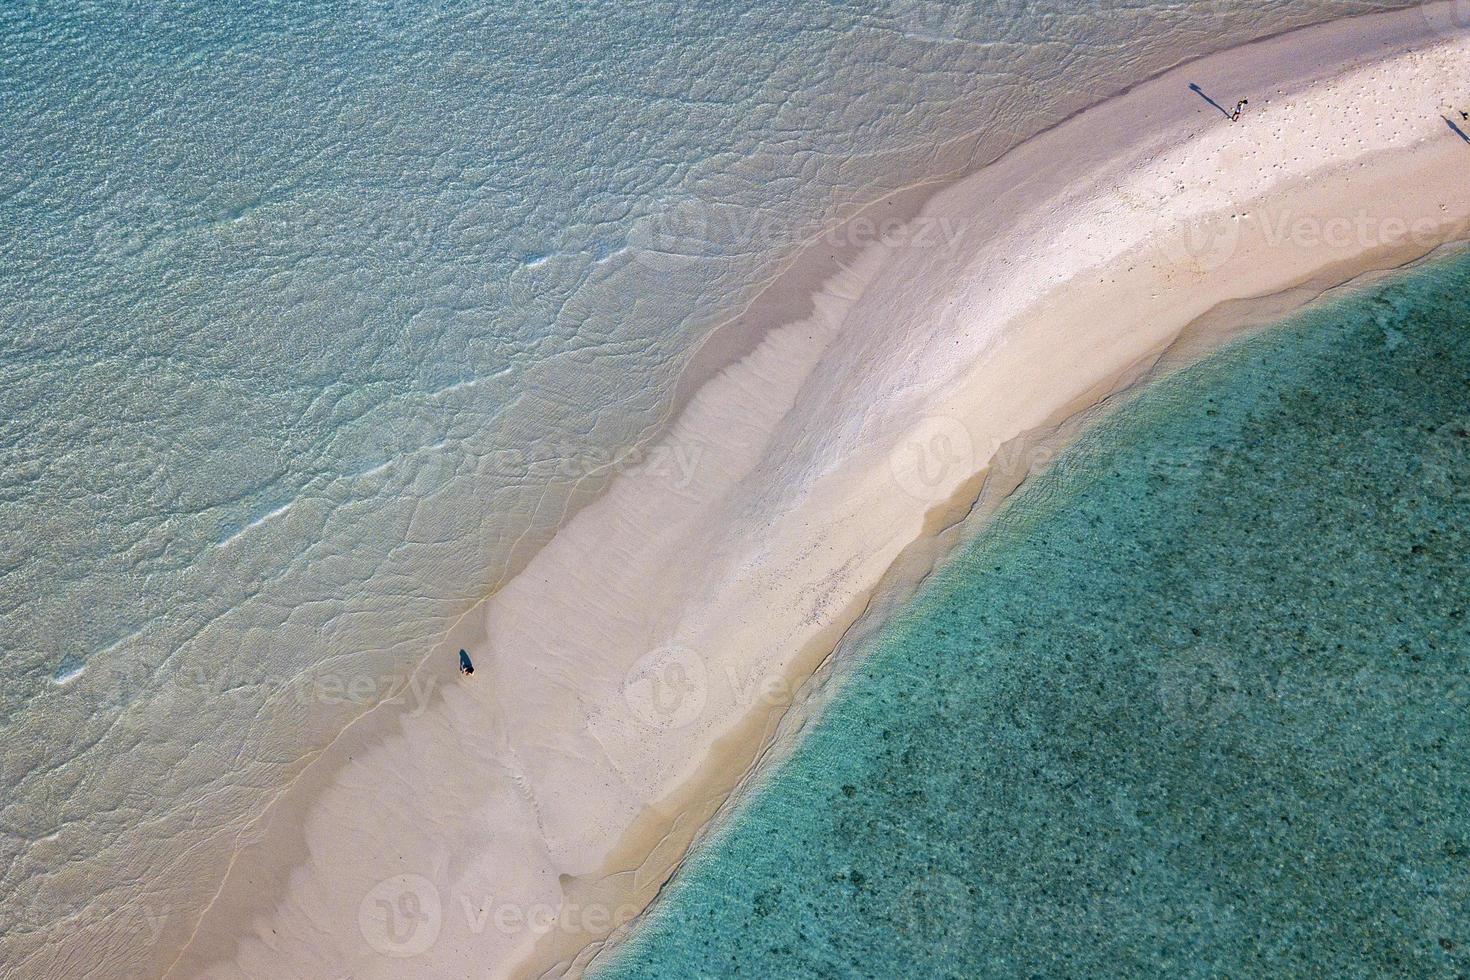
x=639, y=667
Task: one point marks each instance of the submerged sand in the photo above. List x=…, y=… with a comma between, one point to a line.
x=643, y=663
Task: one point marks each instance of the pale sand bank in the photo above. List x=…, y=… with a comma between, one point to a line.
x=630, y=675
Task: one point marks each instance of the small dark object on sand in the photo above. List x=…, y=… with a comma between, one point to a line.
x=465, y=667
x=1239, y=108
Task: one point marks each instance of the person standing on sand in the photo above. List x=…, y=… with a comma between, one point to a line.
x=1239, y=108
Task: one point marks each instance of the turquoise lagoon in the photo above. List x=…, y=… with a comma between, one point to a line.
x=1196, y=704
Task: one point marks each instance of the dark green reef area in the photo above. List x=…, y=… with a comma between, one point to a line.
x=1197, y=704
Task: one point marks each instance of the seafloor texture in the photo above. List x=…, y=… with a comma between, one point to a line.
x=1195, y=705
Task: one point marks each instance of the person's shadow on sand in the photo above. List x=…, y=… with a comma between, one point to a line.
x=1458, y=131
x=1193, y=87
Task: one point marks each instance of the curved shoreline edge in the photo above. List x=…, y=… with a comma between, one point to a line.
x=1025, y=458
x=787, y=529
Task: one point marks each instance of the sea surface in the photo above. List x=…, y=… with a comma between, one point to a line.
x=1195, y=705
x=317, y=317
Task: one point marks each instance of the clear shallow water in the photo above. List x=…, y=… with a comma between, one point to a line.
x=1195, y=706
x=314, y=316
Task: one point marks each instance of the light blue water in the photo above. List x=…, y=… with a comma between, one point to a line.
x=315, y=314
x=1195, y=706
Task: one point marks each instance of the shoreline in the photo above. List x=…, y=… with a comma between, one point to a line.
x=840, y=477
x=973, y=514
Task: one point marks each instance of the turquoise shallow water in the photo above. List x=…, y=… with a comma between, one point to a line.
x=1196, y=705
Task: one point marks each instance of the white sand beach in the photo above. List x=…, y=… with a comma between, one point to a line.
x=627, y=680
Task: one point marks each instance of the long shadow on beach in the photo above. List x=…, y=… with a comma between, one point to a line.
x=1458, y=131
x=1201, y=93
